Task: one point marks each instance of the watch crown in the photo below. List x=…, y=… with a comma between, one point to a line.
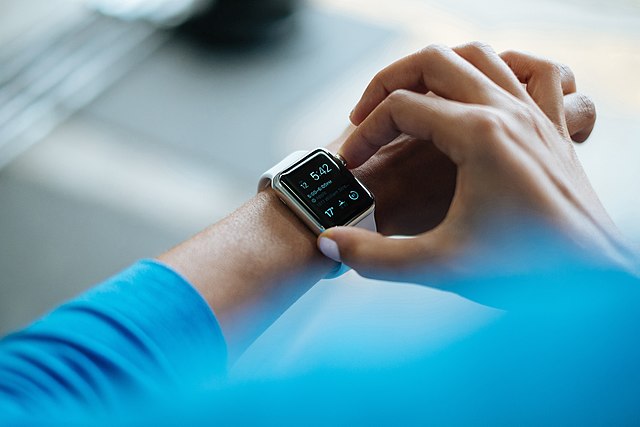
x=342, y=160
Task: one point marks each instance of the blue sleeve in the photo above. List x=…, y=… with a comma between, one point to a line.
x=145, y=329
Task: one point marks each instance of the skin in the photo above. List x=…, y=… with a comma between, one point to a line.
x=501, y=119
x=251, y=266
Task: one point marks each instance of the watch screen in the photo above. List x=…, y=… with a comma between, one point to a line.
x=328, y=190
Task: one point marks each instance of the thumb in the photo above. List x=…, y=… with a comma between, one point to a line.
x=374, y=255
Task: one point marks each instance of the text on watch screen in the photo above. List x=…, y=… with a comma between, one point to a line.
x=328, y=190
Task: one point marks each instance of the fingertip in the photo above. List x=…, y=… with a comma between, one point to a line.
x=351, y=116
x=350, y=159
x=341, y=155
x=580, y=113
x=334, y=234
x=582, y=136
x=338, y=242
x=329, y=248
x=355, y=116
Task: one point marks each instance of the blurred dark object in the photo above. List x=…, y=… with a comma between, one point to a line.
x=242, y=21
x=210, y=21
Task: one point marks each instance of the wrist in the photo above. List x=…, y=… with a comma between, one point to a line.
x=252, y=250
x=295, y=243
x=258, y=260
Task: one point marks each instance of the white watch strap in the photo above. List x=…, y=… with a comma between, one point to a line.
x=265, y=179
x=368, y=222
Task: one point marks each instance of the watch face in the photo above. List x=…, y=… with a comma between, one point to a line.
x=328, y=191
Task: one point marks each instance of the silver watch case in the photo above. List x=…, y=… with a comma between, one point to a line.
x=291, y=200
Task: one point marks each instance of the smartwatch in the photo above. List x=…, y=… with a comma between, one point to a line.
x=317, y=186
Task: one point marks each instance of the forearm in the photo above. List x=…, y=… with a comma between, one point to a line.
x=251, y=266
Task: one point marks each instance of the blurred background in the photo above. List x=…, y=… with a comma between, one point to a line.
x=128, y=125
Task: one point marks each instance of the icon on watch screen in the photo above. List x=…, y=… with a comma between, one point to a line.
x=353, y=195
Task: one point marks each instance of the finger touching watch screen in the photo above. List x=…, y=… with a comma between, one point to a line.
x=327, y=189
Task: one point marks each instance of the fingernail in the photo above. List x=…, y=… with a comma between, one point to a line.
x=329, y=248
x=351, y=113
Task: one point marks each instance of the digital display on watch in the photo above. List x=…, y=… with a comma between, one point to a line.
x=327, y=189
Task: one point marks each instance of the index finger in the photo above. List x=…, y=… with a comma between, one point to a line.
x=436, y=69
x=428, y=118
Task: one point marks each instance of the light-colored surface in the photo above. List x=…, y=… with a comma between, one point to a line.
x=114, y=170
x=182, y=140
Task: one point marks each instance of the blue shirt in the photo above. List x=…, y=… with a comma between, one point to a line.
x=143, y=331
x=145, y=348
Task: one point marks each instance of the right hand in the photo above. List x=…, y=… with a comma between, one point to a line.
x=515, y=163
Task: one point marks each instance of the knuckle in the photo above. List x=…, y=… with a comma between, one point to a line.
x=399, y=96
x=478, y=48
x=519, y=62
x=378, y=79
x=368, y=134
x=510, y=53
x=546, y=66
x=434, y=51
x=550, y=68
x=487, y=123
